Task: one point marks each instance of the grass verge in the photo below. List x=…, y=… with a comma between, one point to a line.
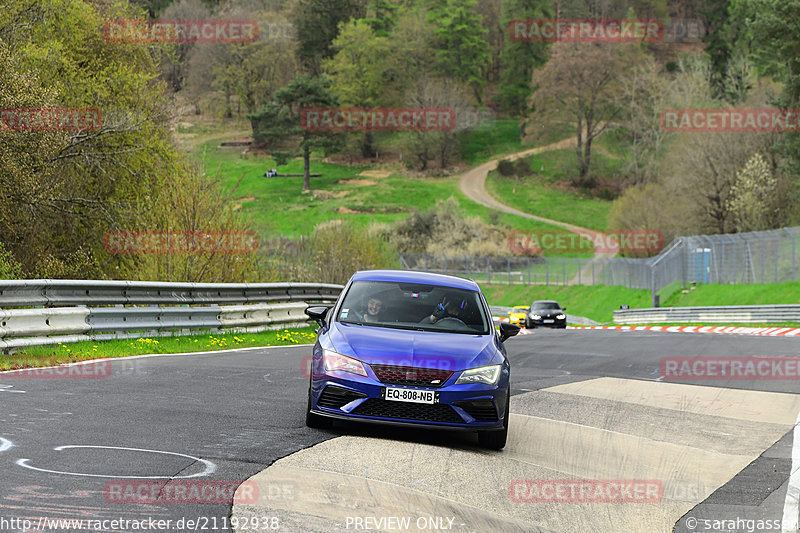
x=39, y=356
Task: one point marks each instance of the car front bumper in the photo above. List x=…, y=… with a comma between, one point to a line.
x=472, y=407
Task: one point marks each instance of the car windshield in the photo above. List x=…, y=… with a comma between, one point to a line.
x=543, y=306
x=414, y=306
x=520, y=309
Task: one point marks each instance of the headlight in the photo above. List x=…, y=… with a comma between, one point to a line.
x=562, y=316
x=337, y=361
x=484, y=374
x=535, y=316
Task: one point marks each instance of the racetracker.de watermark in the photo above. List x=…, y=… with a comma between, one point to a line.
x=159, y=492
x=180, y=242
x=403, y=367
x=730, y=368
x=586, y=491
x=180, y=31
x=50, y=119
x=731, y=120
x=636, y=241
x=90, y=370
x=378, y=119
x=586, y=30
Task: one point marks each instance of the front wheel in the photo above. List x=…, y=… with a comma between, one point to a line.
x=496, y=440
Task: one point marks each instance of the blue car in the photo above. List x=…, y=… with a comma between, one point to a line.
x=414, y=349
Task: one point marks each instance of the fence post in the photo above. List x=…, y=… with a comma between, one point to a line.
x=528, y=266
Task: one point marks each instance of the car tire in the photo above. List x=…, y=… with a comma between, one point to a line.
x=316, y=421
x=496, y=440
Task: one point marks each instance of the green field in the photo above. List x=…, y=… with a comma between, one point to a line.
x=599, y=302
x=544, y=192
x=275, y=206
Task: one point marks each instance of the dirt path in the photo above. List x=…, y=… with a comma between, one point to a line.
x=473, y=185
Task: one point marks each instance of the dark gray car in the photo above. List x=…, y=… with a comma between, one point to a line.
x=546, y=313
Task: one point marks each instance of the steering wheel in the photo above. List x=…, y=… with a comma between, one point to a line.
x=452, y=320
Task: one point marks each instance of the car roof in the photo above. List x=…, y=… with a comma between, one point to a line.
x=413, y=276
x=545, y=302
x=520, y=307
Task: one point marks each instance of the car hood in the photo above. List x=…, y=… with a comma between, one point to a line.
x=377, y=345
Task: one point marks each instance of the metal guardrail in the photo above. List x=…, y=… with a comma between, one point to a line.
x=146, y=309
x=58, y=292
x=740, y=314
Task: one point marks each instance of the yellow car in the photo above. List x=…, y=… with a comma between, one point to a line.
x=517, y=314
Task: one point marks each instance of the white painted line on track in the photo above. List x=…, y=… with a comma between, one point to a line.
x=5, y=444
x=791, y=506
x=210, y=467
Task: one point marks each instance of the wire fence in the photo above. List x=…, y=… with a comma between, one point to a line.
x=753, y=258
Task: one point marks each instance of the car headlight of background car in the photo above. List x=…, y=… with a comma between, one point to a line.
x=484, y=374
x=562, y=316
x=337, y=361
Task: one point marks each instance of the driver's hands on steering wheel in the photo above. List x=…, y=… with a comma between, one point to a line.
x=440, y=311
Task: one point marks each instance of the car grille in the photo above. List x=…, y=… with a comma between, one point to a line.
x=413, y=376
x=411, y=411
x=481, y=410
x=335, y=397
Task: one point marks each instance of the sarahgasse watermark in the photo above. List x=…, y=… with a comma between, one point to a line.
x=378, y=119
x=731, y=525
x=586, y=30
x=730, y=368
x=50, y=119
x=586, y=491
x=636, y=241
x=183, y=492
x=180, y=242
x=92, y=370
x=731, y=120
x=181, y=31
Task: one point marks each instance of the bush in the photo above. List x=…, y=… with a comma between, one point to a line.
x=506, y=168
x=445, y=230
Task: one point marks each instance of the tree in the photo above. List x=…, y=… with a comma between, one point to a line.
x=61, y=190
x=518, y=59
x=317, y=23
x=380, y=15
x=774, y=25
x=752, y=200
x=279, y=122
x=359, y=70
x=579, y=84
x=461, y=47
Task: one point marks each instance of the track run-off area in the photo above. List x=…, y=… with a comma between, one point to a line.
x=599, y=441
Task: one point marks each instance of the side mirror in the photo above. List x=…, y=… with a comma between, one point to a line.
x=318, y=314
x=507, y=330
x=563, y=308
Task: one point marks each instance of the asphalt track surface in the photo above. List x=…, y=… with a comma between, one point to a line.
x=587, y=405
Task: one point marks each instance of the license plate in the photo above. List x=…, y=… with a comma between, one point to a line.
x=548, y=321
x=410, y=395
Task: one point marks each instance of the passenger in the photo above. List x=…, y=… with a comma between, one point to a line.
x=374, y=305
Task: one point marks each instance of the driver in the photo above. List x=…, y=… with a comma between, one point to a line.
x=448, y=309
